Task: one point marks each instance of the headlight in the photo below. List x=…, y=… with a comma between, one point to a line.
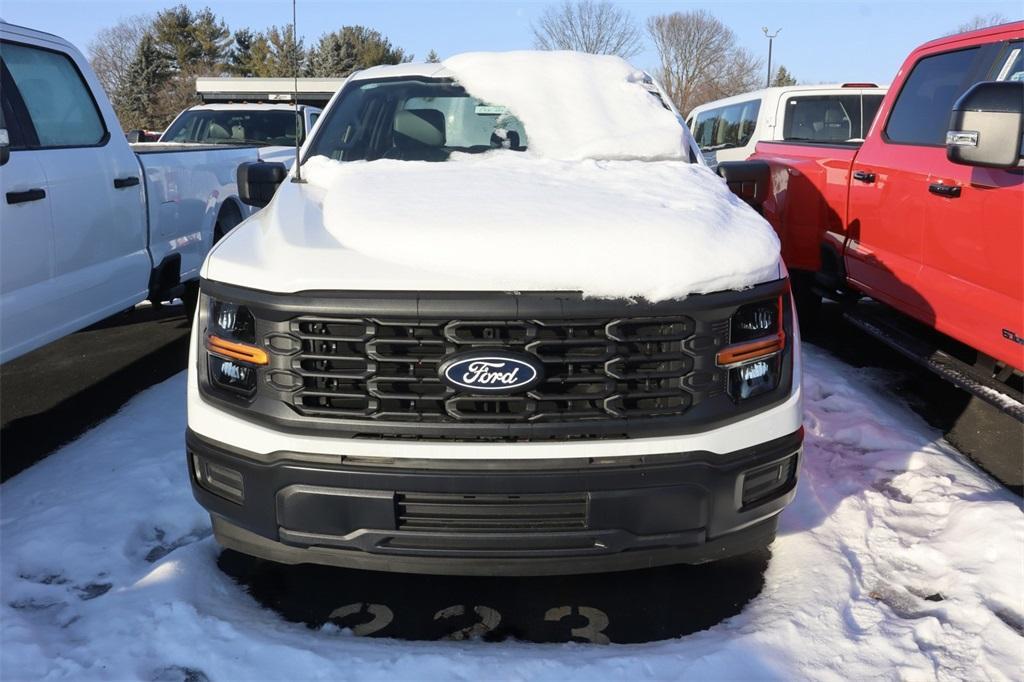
x=232, y=322
x=754, y=354
x=231, y=344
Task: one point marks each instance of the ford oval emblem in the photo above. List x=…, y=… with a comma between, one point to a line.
x=492, y=371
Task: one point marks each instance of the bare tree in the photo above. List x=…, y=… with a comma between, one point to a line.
x=587, y=26
x=980, y=21
x=699, y=58
x=112, y=51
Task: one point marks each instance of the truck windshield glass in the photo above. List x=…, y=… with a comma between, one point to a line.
x=413, y=120
x=210, y=126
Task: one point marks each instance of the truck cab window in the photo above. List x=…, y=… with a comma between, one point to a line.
x=59, y=103
x=920, y=115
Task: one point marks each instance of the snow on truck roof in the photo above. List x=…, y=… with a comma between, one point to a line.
x=603, y=177
x=573, y=105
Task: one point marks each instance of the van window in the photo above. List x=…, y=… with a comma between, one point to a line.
x=921, y=112
x=59, y=102
x=726, y=127
x=832, y=119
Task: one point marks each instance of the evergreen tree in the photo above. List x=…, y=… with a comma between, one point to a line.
x=352, y=48
x=286, y=56
x=432, y=58
x=240, y=54
x=783, y=77
x=192, y=42
x=136, y=98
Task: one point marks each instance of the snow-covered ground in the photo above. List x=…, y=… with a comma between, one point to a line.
x=898, y=560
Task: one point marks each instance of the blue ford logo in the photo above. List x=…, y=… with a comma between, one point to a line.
x=492, y=372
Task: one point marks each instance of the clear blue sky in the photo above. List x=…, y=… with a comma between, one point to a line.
x=822, y=40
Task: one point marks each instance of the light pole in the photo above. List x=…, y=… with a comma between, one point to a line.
x=770, y=37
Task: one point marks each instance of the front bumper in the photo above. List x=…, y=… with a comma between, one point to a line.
x=499, y=517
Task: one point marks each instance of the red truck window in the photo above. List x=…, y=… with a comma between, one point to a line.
x=920, y=115
x=1010, y=67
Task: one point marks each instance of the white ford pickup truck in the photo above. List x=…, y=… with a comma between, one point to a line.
x=501, y=319
x=89, y=225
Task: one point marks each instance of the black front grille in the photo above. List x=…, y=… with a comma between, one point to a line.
x=451, y=512
x=600, y=369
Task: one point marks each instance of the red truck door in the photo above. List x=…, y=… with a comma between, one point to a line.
x=973, y=265
x=891, y=177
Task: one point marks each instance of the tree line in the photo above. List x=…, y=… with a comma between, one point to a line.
x=699, y=57
x=148, y=64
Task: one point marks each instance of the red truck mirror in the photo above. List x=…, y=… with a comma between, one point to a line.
x=986, y=125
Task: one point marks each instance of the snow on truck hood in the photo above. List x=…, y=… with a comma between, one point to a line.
x=602, y=202
x=502, y=222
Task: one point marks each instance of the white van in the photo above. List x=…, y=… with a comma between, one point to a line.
x=493, y=331
x=729, y=129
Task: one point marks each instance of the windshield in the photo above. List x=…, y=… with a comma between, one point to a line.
x=219, y=126
x=413, y=120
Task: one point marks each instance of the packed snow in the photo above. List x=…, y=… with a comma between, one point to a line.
x=897, y=560
x=506, y=221
x=574, y=105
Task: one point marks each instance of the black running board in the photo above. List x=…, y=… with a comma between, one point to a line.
x=928, y=355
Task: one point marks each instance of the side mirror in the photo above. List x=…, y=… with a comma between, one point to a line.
x=134, y=136
x=749, y=180
x=5, y=146
x=986, y=125
x=258, y=180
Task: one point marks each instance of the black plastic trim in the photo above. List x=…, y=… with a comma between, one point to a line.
x=675, y=508
x=487, y=305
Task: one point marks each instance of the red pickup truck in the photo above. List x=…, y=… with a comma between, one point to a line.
x=926, y=215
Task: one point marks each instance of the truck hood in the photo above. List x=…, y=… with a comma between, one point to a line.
x=503, y=221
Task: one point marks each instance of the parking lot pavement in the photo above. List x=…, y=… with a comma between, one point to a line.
x=53, y=395
x=635, y=606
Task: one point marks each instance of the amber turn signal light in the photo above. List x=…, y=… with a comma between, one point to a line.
x=742, y=353
x=236, y=351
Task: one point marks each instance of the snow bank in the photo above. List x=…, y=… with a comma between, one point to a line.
x=511, y=222
x=897, y=560
x=574, y=105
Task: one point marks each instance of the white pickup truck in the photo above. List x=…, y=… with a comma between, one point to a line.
x=505, y=322
x=89, y=225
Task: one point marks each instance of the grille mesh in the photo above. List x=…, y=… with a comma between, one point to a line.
x=491, y=513
x=377, y=369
